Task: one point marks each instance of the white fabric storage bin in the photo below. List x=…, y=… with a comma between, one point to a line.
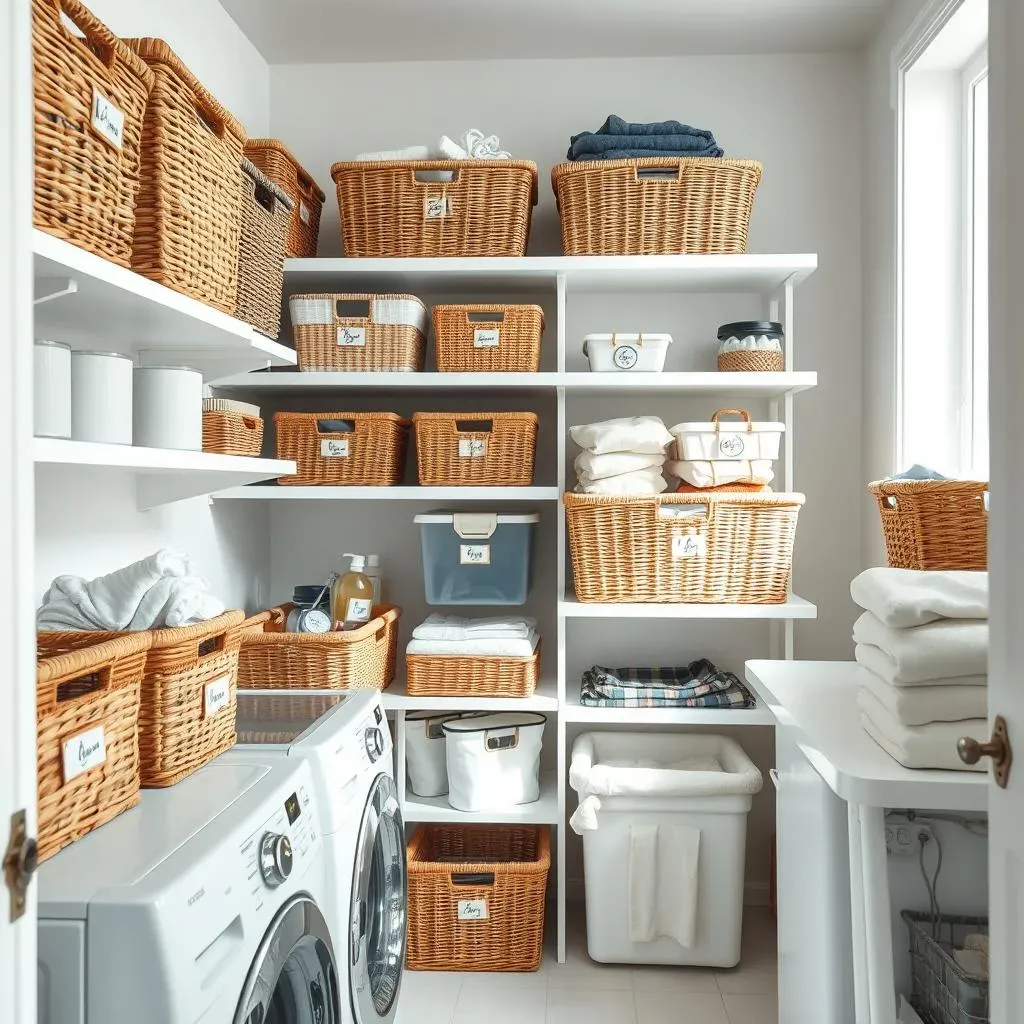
x=641, y=352
x=51, y=389
x=101, y=397
x=727, y=440
x=494, y=760
x=168, y=408
x=664, y=825
x=425, y=751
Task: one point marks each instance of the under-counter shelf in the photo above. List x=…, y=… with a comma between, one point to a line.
x=544, y=699
x=433, y=494
x=577, y=712
x=794, y=608
x=541, y=812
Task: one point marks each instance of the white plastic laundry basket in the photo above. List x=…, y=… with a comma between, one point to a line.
x=425, y=746
x=640, y=352
x=664, y=825
x=727, y=440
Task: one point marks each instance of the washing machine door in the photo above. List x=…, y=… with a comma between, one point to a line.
x=293, y=979
x=377, y=922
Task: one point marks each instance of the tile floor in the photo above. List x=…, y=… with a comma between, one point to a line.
x=583, y=992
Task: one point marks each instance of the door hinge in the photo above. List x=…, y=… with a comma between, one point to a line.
x=21, y=858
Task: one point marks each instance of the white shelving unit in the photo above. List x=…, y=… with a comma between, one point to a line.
x=432, y=494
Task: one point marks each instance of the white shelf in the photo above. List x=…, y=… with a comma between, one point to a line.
x=272, y=493
x=115, y=308
x=162, y=475
x=545, y=699
x=794, y=608
x=542, y=812
x=576, y=712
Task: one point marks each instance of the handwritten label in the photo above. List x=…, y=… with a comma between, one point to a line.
x=217, y=695
x=84, y=751
x=472, y=447
x=107, y=120
x=730, y=446
x=357, y=609
x=625, y=357
x=334, y=448
x=486, y=337
x=435, y=207
x=474, y=554
x=689, y=545
x=473, y=910
x=351, y=337
x=304, y=214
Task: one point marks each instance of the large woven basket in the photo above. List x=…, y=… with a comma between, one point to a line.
x=266, y=211
x=369, y=453
x=85, y=694
x=488, y=339
x=232, y=428
x=189, y=211
x=276, y=161
x=438, y=675
x=475, y=449
x=359, y=659
x=505, y=868
x=655, y=549
x=655, y=206
x=398, y=208
x=89, y=95
x=934, y=524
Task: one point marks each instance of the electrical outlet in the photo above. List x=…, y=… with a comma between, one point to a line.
x=903, y=836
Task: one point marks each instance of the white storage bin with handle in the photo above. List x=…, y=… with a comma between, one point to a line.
x=494, y=760
x=425, y=746
x=664, y=823
x=641, y=352
x=727, y=440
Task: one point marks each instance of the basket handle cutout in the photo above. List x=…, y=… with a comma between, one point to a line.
x=468, y=878
x=352, y=309
x=474, y=426
x=264, y=197
x=336, y=426
x=307, y=186
x=486, y=317
x=209, y=119
x=210, y=646
x=85, y=685
x=80, y=25
x=438, y=176
x=507, y=740
x=251, y=422
x=667, y=173
x=742, y=413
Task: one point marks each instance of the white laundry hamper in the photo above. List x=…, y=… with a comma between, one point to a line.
x=425, y=750
x=664, y=825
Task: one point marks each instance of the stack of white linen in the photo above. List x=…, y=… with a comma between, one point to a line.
x=922, y=652
x=622, y=456
x=510, y=636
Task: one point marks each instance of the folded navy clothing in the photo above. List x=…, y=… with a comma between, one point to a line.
x=617, y=139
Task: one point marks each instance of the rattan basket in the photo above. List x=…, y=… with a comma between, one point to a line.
x=454, y=869
x=475, y=449
x=934, y=524
x=653, y=206
x=439, y=675
x=370, y=452
x=359, y=332
x=232, y=428
x=751, y=362
x=488, y=339
x=266, y=719
x=655, y=550
x=189, y=210
x=359, y=659
x=398, y=208
x=89, y=96
x=276, y=161
x=84, y=694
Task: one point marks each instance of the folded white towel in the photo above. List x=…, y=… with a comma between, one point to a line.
x=937, y=650
x=482, y=147
x=449, y=149
x=590, y=467
x=901, y=598
x=879, y=663
x=642, y=434
x=663, y=883
x=455, y=627
x=715, y=474
x=406, y=153
x=644, y=481
x=922, y=705
x=495, y=647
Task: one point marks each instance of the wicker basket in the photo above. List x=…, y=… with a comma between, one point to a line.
x=475, y=449
x=371, y=453
x=739, y=551
x=437, y=675
x=266, y=211
x=934, y=524
x=383, y=333
x=506, y=868
x=189, y=211
x=360, y=659
x=86, y=176
x=86, y=692
x=275, y=160
x=232, y=428
x=751, y=362
x=488, y=339
x=655, y=206
x=265, y=719
x=393, y=208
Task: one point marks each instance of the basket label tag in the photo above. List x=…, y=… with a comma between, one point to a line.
x=217, y=695
x=107, y=120
x=474, y=554
x=352, y=337
x=473, y=910
x=435, y=207
x=486, y=337
x=84, y=751
x=472, y=447
x=304, y=214
x=689, y=545
x=357, y=609
x=334, y=448
x=730, y=446
x=625, y=357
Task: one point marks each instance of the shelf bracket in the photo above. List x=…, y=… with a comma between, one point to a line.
x=48, y=289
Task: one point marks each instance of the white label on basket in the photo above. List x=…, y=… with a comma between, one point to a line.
x=474, y=554
x=84, y=751
x=357, y=610
x=473, y=910
x=217, y=695
x=689, y=545
x=304, y=214
x=730, y=446
x=107, y=120
x=486, y=337
x=334, y=447
x=352, y=337
x=435, y=207
x=472, y=447
x=625, y=357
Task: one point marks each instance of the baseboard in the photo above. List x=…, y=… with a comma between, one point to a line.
x=755, y=894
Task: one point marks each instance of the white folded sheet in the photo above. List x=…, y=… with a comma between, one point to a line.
x=901, y=598
x=922, y=705
x=937, y=650
x=663, y=883
x=643, y=434
x=880, y=664
x=644, y=481
x=456, y=627
x=495, y=647
x=714, y=474
x=590, y=467
x=406, y=153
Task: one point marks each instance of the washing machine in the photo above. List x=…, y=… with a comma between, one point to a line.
x=344, y=738
x=204, y=904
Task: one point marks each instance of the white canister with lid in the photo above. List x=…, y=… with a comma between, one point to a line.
x=101, y=397
x=169, y=407
x=51, y=409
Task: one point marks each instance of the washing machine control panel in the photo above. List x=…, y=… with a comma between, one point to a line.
x=374, y=740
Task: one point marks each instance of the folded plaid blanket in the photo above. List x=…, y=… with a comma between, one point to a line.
x=697, y=685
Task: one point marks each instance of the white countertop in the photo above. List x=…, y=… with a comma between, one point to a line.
x=816, y=702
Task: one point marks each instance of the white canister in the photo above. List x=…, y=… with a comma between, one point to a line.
x=641, y=352
x=101, y=397
x=51, y=410
x=169, y=407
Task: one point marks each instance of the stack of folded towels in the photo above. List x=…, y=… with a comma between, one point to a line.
x=700, y=684
x=622, y=456
x=922, y=652
x=623, y=140
x=451, y=635
x=472, y=144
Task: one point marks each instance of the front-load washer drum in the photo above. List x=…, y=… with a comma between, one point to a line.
x=293, y=979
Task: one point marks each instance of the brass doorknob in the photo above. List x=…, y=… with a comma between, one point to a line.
x=998, y=748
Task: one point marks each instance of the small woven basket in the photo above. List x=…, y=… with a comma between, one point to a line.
x=655, y=206
x=751, y=362
x=399, y=208
x=488, y=339
x=475, y=449
x=359, y=659
x=369, y=452
x=232, y=428
x=504, y=867
x=89, y=96
x=934, y=524
x=653, y=550
x=437, y=675
x=276, y=161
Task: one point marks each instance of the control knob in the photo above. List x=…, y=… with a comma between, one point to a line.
x=275, y=858
x=374, y=743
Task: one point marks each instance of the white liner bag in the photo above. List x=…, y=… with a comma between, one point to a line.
x=399, y=310
x=727, y=441
x=425, y=757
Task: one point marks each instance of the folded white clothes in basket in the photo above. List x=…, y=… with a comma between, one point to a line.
x=472, y=145
x=590, y=467
x=406, y=153
x=902, y=598
x=922, y=705
x=663, y=876
x=716, y=474
x=456, y=627
x=937, y=650
x=641, y=434
x=644, y=481
x=880, y=664
x=494, y=647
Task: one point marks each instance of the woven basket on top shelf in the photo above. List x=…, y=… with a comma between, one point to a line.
x=232, y=428
x=438, y=675
x=488, y=339
x=475, y=449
